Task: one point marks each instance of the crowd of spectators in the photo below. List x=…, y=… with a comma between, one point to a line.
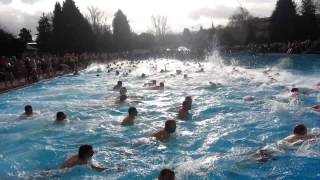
x=29, y=69
x=295, y=47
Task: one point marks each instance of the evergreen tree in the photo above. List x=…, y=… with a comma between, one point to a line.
x=121, y=32
x=25, y=35
x=9, y=45
x=57, y=28
x=76, y=33
x=44, y=38
x=283, y=21
x=308, y=21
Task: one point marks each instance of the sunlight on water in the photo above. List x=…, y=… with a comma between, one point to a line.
x=215, y=143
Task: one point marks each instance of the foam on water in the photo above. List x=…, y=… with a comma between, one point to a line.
x=215, y=143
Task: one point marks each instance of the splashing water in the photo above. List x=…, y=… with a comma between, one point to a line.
x=215, y=143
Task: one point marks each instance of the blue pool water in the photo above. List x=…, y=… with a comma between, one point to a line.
x=215, y=143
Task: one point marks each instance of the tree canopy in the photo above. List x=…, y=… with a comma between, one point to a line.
x=121, y=32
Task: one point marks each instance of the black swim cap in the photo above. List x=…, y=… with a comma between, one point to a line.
x=85, y=151
x=166, y=174
x=170, y=126
x=300, y=130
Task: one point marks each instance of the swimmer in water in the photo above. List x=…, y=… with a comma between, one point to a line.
x=316, y=108
x=117, y=73
x=300, y=134
x=248, y=98
x=160, y=87
x=166, y=174
x=184, y=111
x=178, y=72
x=152, y=83
x=28, y=111
x=143, y=75
x=123, y=94
x=199, y=71
x=295, y=92
x=185, y=76
x=61, y=117
x=118, y=86
x=83, y=157
x=129, y=120
x=164, y=134
x=188, y=99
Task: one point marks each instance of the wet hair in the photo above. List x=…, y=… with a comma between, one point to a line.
x=166, y=174
x=123, y=90
x=119, y=82
x=27, y=108
x=294, y=90
x=169, y=126
x=132, y=110
x=60, y=116
x=188, y=98
x=162, y=84
x=85, y=151
x=154, y=82
x=300, y=130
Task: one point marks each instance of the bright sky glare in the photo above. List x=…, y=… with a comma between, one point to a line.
x=15, y=14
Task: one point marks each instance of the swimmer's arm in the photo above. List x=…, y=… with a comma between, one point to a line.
x=97, y=168
x=312, y=136
x=136, y=97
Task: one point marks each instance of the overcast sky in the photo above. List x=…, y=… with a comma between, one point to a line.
x=15, y=14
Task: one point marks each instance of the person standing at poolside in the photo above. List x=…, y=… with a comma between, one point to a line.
x=164, y=134
x=83, y=157
x=129, y=120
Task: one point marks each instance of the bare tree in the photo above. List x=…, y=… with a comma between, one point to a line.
x=96, y=17
x=160, y=26
x=240, y=16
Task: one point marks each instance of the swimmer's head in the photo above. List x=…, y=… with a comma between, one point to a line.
x=162, y=84
x=154, y=82
x=143, y=75
x=185, y=76
x=61, y=116
x=189, y=99
x=166, y=174
x=119, y=83
x=85, y=152
x=295, y=90
x=132, y=111
x=28, y=110
x=170, y=126
x=300, y=130
x=123, y=91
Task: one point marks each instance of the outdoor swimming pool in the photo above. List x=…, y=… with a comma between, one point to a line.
x=215, y=143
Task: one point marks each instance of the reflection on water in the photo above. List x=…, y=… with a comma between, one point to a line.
x=215, y=143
